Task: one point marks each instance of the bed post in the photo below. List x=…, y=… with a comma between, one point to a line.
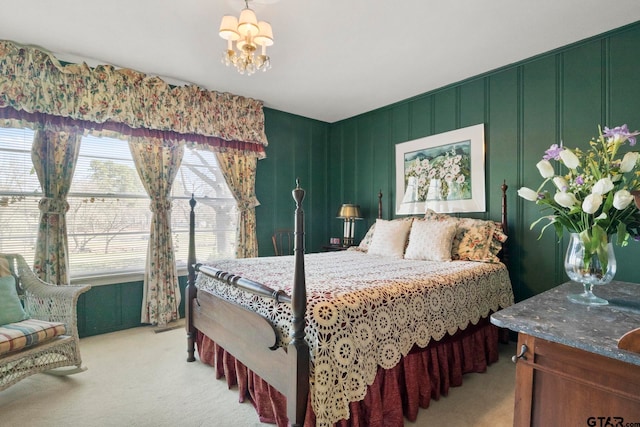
x=505, y=227
x=298, y=350
x=380, y=204
x=190, y=291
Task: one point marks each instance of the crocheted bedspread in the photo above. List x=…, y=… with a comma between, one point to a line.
x=365, y=311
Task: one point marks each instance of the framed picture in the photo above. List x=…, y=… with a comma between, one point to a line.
x=443, y=172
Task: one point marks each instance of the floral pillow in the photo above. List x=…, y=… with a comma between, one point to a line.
x=475, y=239
x=366, y=240
x=435, y=216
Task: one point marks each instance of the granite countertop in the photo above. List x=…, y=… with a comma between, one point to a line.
x=597, y=329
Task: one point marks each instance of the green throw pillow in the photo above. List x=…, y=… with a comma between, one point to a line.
x=11, y=310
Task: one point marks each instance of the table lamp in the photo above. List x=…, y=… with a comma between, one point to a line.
x=349, y=213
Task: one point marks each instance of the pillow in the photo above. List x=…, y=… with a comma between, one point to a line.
x=475, y=239
x=11, y=310
x=435, y=216
x=390, y=237
x=431, y=240
x=4, y=267
x=366, y=240
x=499, y=237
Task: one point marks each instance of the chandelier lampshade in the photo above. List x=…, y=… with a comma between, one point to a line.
x=248, y=23
x=229, y=28
x=248, y=33
x=265, y=34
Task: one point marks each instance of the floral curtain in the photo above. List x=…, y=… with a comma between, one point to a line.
x=240, y=173
x=35, y=87
x=35, y=81
x=157, y=163
x=54, y=155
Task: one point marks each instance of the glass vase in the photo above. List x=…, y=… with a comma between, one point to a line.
x=589, y=271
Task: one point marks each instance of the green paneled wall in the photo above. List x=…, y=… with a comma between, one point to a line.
x=297, y=148
x=526, y=107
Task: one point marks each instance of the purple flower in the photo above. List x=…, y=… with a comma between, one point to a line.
x=579, y=180
x=621, y=133
x=553, y=152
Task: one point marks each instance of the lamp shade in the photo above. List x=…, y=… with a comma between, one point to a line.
x=229, y=28
x=265, y=35
x=248, y=23
x=241, y=43
x=348, y=211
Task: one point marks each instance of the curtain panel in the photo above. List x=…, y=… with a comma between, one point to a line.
x=34, y=81
x=157, y=163
x=240, y=174
x=54, y=155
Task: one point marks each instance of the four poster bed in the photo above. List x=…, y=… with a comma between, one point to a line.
x=354, y=337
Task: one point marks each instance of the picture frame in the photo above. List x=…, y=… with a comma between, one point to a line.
x=443, y=172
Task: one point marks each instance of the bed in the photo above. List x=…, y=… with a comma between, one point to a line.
x=353, y=337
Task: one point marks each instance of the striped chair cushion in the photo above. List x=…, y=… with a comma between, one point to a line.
x=27, y=333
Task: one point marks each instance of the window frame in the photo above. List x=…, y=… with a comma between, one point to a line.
x=125, y=275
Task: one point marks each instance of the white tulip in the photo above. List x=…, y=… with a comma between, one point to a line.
x=545, y=168
x=622, y=199
x=591, y=203
x=561, y=183
x=528, y=194
x=564, y=199
x=603, y=186
x=629, y=162
x=569, y=159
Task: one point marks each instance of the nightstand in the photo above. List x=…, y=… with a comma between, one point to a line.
x=570, y=370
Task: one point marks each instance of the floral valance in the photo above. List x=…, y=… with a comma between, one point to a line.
x=34, y=82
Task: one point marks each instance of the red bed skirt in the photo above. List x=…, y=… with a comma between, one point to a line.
x=421, y=375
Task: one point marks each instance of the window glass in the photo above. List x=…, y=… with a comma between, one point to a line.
x=109, y=218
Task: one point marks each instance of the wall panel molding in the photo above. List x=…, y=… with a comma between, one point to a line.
x=549, y=101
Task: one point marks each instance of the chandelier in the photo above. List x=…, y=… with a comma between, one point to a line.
x=248, y=34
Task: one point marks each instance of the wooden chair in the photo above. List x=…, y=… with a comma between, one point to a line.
x=50, y=345
x=283, y=240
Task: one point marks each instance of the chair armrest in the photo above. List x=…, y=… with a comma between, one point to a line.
x=54, y=303
x=45, y=301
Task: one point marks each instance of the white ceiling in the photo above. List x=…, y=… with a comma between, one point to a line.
x=332, y=59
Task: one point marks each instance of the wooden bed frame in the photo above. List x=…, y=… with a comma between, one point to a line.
x=251, y=338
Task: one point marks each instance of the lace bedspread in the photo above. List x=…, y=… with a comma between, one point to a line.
x=365, y=311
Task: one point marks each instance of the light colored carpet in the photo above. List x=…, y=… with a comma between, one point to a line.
x=140, y=377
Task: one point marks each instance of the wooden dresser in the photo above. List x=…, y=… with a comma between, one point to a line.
x=570, y=371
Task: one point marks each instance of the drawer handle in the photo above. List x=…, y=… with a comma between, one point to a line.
x=523, y=351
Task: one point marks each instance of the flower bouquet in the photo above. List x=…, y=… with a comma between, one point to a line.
x=593, y=196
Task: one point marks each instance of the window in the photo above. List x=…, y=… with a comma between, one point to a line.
x=109, y=217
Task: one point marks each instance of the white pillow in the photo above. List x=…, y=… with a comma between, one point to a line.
x=390, y=238
x=431, y=240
